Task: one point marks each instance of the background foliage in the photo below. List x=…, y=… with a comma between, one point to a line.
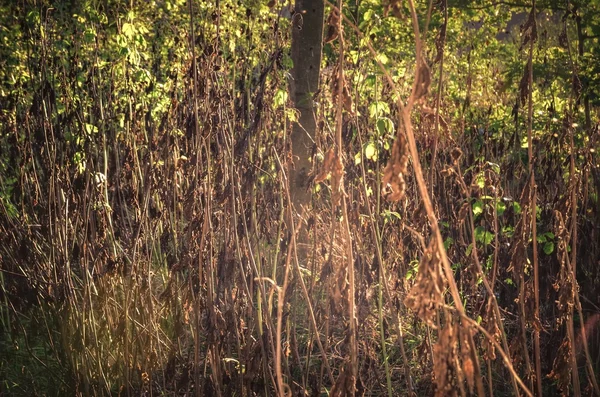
x=143, y=200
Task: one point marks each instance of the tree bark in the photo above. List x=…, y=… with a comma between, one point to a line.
x=307, y=44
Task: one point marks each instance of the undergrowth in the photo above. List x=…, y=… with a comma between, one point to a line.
x=147, y=243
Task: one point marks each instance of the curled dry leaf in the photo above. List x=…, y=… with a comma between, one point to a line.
x=466, y=355
x=429, y=115
x=344, y=384
x=529, y=29
x=393, y=174
x=333, y=26
x=443, y=362
x=524, y=86
x=326, y=168
x=332, y=166
x=440, y=40
x=463, y=212
x=346, y=97
x=565, y=284
x=424, y=80
x=297, y=21
x=337, y=176
x=490, y=323
x=456, y=155
x=426, y=293
x=561, y=369
x=395, y=6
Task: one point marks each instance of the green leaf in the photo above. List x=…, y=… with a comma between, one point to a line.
x=448, y=242
x=517, y=208
x=412, y=271
x=292, y=114
x=371, y=151
x=387, y=214
x=385, y=126
x=378, y=108
x=480, y=181
x=90, y=128
x=489, y=262
x=477, y=208
x=549, y=248
x=383, y=59
x=121, y=41
x=500, y=208
x=357, y=158
x=495, y=167
x=280, y=97
x=128, y=30
x=89, y=35
x=483, y=236
x=370, y=81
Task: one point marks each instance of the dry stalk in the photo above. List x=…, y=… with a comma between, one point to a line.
x=293, y=254
x=351, y=382
x=420, y=84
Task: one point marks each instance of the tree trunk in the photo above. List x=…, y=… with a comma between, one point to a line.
x=307, y=25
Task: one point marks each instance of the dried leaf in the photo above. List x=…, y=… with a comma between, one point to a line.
x=529, y=29
x=456, y=155
x=524, y=86
x=561, y=369
x=463, y=212
x=426, y=293
x=395, y=6
x=337, y=176
x=490, y=323
x=424, y=80
x=393, y=174
x=443, y=367
x=346, y=97
x=440, y=40
x=344, y=384
x=327, y=166
x=332, y=166
x=297, y=21
x=333, y=25
x=468, y=366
